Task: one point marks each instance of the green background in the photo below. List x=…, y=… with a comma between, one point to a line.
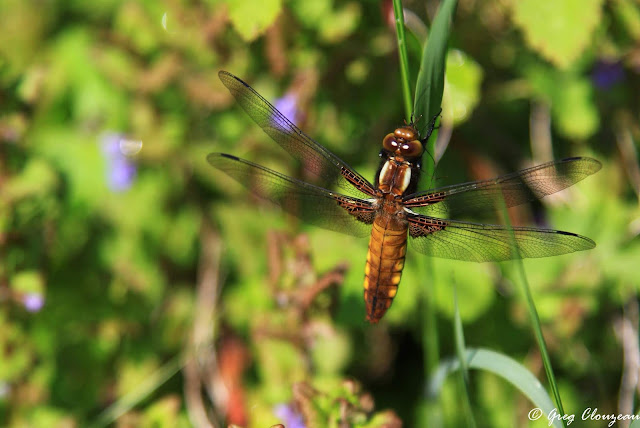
x=173, y=296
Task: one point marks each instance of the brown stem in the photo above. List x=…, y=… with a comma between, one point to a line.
x=203, y=334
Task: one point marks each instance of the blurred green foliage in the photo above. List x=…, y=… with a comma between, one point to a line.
x=122, y=250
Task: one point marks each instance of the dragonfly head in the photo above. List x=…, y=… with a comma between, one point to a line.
x=404, y=142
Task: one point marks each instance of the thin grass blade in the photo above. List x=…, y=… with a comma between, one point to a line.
x=535, y=319
x=398, y=12
x=461, y=352
x=504, y=367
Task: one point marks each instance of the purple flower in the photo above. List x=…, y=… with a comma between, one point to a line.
x=33, y=302
x=120, y=170
x=121, y=174
x=606, y=73
x=288, y=106
x=290, y=418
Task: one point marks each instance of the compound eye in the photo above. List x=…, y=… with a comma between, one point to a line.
x=412, y=149
x=389, y=143
x=406, y=133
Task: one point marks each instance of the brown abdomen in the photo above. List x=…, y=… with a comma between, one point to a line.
x=385, y=260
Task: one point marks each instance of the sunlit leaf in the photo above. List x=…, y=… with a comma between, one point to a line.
x=331, y=351
x=571, y=97
x=251, y=18
x=559, y=30
x=37, y=178
x=629, y=13
x=312, y=13
x=474, y=284
x=461, y=87
x=27, y=281
x=574, y=109
x=341, y=24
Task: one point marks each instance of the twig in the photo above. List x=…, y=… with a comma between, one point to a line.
x=274, y=259
x=627, y=333
x=202, y=335
x=628, y=152
x=540, y=132
x=307, y=295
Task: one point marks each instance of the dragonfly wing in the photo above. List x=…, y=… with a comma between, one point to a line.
x=329, y=170
x=475, y=242
x=310, y=203
x=517, y=188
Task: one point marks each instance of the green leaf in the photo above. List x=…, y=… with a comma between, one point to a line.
x=502, y=366
x=23, y=31
x=558, y=30
x=573, y=109
x=341, y=24
x=475, y=288
x=37, y=178
x=138, y=26
x=403, y=57
x=181, y=236
x=27, y=282
x=163, y=413
x=430, y=85
x=331, y=351
x=462, y=87
x=251, y=18
x=14, y=365
x=311, y=13
x=628, y=13
x=571, y=97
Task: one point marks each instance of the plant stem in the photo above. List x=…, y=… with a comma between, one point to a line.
x=535, y=319
x=404, y=58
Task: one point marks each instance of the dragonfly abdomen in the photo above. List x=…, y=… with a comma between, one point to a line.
x=385, y=261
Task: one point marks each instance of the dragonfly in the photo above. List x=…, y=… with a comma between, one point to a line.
x=391, y=211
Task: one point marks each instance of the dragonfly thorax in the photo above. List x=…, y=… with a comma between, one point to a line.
x=394, y=177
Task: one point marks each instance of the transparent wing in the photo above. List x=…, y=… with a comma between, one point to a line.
x=474, y=242
x=516, y=188
x=328, y=169
x=310, y=203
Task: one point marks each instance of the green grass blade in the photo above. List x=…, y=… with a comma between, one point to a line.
x=461, y=352
x=459, y=335
x=430, y=84
x=431, y=349
x=404, y=57
x=504, y=367
x=144, y=390
x=428, y=97
x=535, y=319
